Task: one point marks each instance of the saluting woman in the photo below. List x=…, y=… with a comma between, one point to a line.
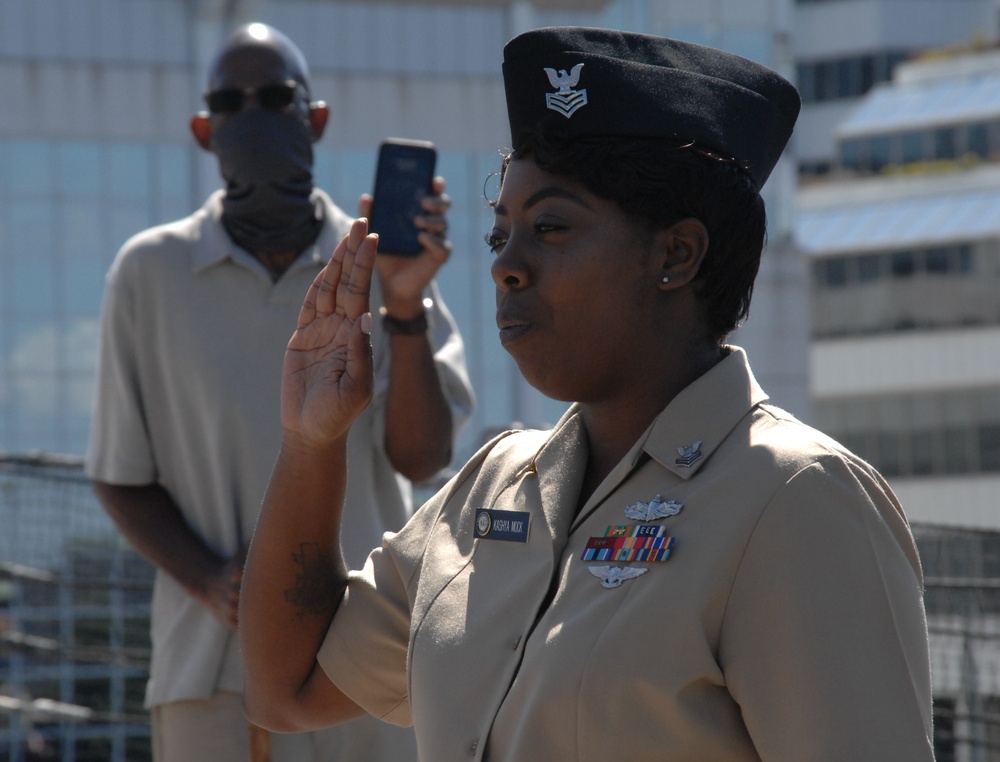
x=678, y=570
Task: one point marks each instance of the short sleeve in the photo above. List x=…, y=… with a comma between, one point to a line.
x=824, y=641
x=365, y=651
x=119, y=450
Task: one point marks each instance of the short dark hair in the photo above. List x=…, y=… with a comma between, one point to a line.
x=659, y=183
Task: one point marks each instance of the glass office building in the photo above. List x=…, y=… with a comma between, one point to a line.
x=94, y=147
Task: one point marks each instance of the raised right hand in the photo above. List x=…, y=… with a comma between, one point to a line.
x=327, y=374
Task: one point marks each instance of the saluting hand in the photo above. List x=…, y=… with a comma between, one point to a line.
x=327, y=374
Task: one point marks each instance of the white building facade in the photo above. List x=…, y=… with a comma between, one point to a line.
x=98, y=148
x=904, y=248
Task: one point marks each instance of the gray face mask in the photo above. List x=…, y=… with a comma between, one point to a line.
x=266, y=160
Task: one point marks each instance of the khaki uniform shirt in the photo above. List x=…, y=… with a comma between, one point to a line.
x=786, y=623
x=192, y=341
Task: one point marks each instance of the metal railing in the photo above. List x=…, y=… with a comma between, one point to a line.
x=74, y=626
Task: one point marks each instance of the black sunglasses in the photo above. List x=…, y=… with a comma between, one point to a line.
x=276, y=97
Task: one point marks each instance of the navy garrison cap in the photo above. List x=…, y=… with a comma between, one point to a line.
x=578, y=82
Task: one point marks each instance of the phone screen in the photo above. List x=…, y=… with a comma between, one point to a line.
x=403, y=177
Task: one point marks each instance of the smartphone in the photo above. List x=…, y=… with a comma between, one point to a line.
x=403, y=176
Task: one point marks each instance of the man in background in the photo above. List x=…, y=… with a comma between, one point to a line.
x=195, y=321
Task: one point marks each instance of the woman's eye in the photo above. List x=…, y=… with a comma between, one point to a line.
x=542, y=228
x=496, y=241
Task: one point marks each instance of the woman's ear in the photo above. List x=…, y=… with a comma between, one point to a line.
x=680, y=250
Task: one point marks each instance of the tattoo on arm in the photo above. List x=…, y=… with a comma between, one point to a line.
x=316, y=584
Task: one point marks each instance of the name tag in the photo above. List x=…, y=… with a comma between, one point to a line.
x=512, y=526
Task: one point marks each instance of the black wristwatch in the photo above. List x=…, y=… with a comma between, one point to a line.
x=396, y=327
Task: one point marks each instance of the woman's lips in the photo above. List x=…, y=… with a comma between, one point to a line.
x=512, y=327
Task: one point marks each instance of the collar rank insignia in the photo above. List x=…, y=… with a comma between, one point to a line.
x=689, y=455
x=657, y=508
x=613, y=576
x=567, y=100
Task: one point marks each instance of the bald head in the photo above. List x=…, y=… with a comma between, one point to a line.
x=257, y=54
x=252, y=61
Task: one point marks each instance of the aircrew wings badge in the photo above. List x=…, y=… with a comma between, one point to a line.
x=613, y=576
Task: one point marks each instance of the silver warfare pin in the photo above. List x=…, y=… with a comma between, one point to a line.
x=657, y=508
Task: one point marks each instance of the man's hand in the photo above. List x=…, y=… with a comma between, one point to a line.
x=404, y=279
x=153, y=523
x=327, y=375
x=221, y=591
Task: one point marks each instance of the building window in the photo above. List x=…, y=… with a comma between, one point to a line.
x=912, y=147
x=944, y=143
x=919, y=435
x=880, y=153
x=944, y=728
x=847, y=77
x=870, y=267
x=944, y=286
x=977, y=139
x=873, y=153
x=851, y=156
x=904, y=264
x=833, y=272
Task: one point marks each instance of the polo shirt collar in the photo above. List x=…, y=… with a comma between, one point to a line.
x=214, y=244
x=687, y=432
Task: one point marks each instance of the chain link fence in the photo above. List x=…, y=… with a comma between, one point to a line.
x=74, y=626
x=74, y=621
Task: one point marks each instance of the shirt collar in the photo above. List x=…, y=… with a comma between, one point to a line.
x=697, y=420
x=214, y=244
x=688, y=430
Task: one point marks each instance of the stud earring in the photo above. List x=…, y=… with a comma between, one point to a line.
x=665, y=279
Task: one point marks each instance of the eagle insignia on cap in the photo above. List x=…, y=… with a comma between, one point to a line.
x=566, y=100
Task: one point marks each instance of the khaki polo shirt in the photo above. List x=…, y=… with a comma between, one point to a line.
x=786, y=623
x=193, y=335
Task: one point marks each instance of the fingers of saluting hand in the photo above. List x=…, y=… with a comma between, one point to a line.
x=344, y=284
x=349, y=276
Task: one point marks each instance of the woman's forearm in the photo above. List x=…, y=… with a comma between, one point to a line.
x=294, y=581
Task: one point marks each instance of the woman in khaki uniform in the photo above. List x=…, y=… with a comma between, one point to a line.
x=678, y=570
